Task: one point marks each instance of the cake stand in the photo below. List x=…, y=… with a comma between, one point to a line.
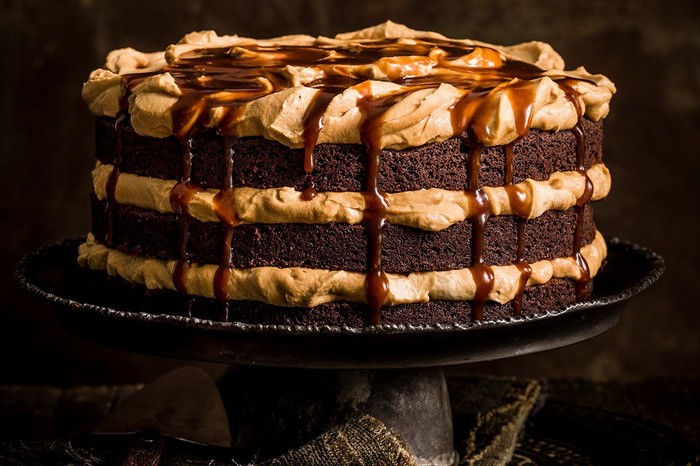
x=290, y=383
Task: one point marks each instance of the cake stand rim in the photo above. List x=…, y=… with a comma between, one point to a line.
x=586, y=315
x=656, y=262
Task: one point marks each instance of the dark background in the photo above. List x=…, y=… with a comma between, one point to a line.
x=650, y=49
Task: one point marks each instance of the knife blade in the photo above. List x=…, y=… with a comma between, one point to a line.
x=183, y=404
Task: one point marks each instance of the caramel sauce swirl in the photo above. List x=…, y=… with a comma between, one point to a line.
x=218, y=80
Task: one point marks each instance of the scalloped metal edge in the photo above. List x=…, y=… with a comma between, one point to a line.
x=25, y=265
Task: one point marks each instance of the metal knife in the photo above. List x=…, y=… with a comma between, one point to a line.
x=183, y=404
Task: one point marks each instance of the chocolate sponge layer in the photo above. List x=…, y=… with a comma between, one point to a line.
x=339, y=246
x=261, y=163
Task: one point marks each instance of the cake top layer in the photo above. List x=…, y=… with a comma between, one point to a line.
x=388, y=86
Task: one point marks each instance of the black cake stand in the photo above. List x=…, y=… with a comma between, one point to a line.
x=289, y=383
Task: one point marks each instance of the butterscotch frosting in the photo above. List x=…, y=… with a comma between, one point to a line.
x=428, y=209
x=306, y=287
x=430, y=83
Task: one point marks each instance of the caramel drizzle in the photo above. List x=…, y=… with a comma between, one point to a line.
x=114, y=177
x=569, y=88
x=466, y=115
x=225, y=78
x=120, y=121
x=313, y=124
x=522, y=98
x=481, y=272
x=521, y=205
x=228, y=78
x=180, y=197
x=470, y=120
x=374, y=215
x=229, y=219
x=581, y=202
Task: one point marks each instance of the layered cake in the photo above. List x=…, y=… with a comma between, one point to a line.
x=386, y=175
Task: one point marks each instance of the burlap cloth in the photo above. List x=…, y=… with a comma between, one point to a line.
x=489, y=416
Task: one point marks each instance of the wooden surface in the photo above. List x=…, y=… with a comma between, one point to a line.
x=45, y=413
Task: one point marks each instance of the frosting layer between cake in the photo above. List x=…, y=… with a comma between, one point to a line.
x=301, y=287
x=429, y=71
x=429, y=209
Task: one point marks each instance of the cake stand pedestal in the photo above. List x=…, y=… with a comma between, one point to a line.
x=289, y=383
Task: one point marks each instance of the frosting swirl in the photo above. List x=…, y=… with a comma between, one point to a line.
x=432, y=87
x=428, y=209
x=305, y=287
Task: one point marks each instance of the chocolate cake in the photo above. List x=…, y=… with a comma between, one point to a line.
x=382, y=176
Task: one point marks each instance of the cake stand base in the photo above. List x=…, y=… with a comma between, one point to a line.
x=296, y=381
x=293, y=406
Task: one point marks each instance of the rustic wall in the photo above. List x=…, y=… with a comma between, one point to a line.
x=650, y=49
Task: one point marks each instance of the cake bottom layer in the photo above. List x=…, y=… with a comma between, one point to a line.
x=312, y=296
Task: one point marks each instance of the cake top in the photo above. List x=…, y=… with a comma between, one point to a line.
x=387, y=86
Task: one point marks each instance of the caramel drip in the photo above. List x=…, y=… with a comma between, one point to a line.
x=580, y=206
x=519, y=201
x=223, y=274
x=571, y=93
x=470, y=116
x=223, y=200
x=374, y=215
x=568, y=85
x=521, y=205
x=481, y=272
x=111, y=188
x=114, y=176
x=523, y=267
x=509, y=166
x=581, y=168
x=129, y=81
x=229, y=220
x=309, y=192
x=188, y=115
x=180, y=197
x=313, y=124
